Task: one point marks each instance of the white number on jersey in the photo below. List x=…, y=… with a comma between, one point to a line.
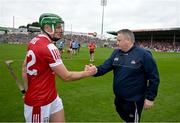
x=30, y=63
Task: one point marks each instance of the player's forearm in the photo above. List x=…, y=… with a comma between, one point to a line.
x=67, y=75
x=72, y=75
x=24, y=75
x=25, y=83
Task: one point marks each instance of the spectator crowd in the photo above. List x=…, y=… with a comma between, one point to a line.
x=83, y=40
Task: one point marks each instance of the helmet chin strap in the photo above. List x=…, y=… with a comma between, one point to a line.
x=51, y=33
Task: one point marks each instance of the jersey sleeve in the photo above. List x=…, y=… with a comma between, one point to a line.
x=152, y=75
x=53, y=56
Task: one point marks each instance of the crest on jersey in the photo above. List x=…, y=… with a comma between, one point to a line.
x=116, y=59
x=133, y=62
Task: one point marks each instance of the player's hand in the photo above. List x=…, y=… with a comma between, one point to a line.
x=87, y=67
x=91, y=69
x=148, y=104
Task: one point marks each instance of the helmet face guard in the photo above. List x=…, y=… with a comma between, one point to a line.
x=52, y=20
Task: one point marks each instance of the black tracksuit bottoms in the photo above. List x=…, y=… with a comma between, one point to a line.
x=129, y=111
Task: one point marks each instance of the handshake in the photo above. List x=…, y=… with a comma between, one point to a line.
x=90, y=69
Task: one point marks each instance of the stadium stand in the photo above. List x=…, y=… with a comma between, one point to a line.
x=163, y=40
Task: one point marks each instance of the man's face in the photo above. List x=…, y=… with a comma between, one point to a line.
x=121, y=42
x=58, y=31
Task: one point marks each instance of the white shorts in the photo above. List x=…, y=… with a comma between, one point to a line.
x=42, y=113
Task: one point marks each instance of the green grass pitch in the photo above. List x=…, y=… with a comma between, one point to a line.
x=91, y=99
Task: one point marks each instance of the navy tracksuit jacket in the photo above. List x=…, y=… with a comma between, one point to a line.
x=135, y=74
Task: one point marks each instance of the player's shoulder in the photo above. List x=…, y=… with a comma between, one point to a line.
x=43, y=39
x=40, y=39
x=115, y=51
x=138, y=48
x=143, y=50
x=51, y=47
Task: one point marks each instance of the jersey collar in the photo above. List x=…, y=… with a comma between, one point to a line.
x=45, y=36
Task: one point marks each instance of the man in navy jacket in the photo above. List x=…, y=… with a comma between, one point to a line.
x=136, y=77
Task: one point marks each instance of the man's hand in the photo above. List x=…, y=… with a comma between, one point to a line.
x=87, y=67
x=148, y=104
x=91, y=69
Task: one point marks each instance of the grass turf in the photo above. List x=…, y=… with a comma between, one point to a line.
x=91, y=99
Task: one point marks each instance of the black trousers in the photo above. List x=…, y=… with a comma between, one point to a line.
x=129, y=111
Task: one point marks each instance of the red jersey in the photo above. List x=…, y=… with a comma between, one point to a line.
x=41, y=56
x=91, y=46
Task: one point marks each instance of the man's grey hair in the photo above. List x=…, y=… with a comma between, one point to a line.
x=128, y=34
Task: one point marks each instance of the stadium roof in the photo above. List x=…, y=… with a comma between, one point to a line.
x=4, y=29
x=163, y=34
